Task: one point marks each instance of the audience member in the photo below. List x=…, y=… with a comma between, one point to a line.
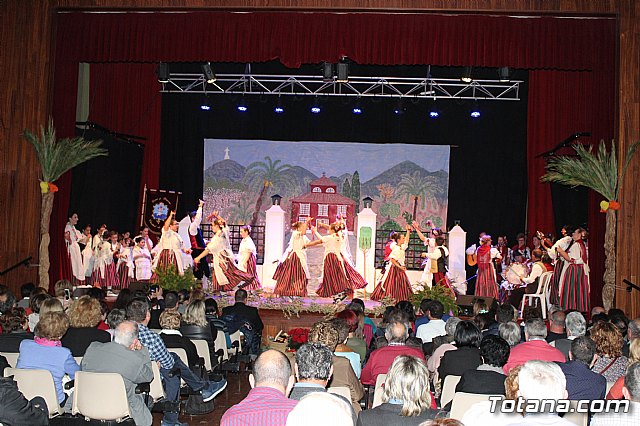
x=489, y=377
x=25, y=292
x=183, y=300
x=406, y=399
x=610, y=363
x=620, y=320
x=52, y=304
x=173, y=338
x=582, y=383
x=14, y=325
x=127, y=357
x=450, y=328
x=7, y=299
x=504, y=314
x=631, y=392
x=556, y=327
x=358, y=305
x=84, y=316
x=63, y=291
x=634, y=356
x=633, y=332
x=467, y=353
x=381, y=359
x=195, y=326
x=114, y=318
x=576, y=326
x=343, y=350
x=343, y=375
x=320, y=409
x=354, y=342
x=124, y=297
x=34, y=304
x=510, y=332
x=435, y=326
x=171, y=301
x=240, y=311
x=601, y=317
x=597, y=310
x=424, y=307
x=17, y=410
x=45, y=352
x=433, y=362
x=535, y=347
x=267, y=403
x=212, y=314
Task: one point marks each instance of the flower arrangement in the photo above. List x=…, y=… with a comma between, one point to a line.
x=298, y=337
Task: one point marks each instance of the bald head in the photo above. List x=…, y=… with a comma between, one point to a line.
x=396, y=332
x=272, y=369
x=126, y=333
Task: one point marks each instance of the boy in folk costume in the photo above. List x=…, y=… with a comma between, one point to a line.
x=142, y=259
x=395, y=282
x=440, y=257
x=247, y=258
x=197, y=243
x=430, y=243
x=574, y=281
x=486, y=284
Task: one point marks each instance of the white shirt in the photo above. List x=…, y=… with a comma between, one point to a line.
x=434, y=328
x=536, y=271
x=193, y=226
x=170, y=240
x=398, y=253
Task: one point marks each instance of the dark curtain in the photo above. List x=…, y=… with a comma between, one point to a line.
x=105, y=189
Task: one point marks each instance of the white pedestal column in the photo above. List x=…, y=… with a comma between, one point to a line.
x=457, y=247
x=366, y=266
x=273, y=244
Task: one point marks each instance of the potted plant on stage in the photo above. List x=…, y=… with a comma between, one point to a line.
x=437, y=292
x=597, y=171
x=170, y=280
x=56, y=156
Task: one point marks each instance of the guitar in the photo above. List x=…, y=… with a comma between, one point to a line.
x=472, y=259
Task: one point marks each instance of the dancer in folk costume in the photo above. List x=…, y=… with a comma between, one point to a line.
x=430, y=243
x=74, y=256
x=141, y=259
x=574, y=281
x=170, y=247
x=486, y=284
x=197, y=243
x=226, y=274
x=148, y=242
x=247, y=260
x=87, y=253
x=346, y=249
x=292, y=273
x=104, y=269
x=338, y=275
x=115, y=253
x=440, y=257
x=395, y=282
x=125, y=263
x=559, y=264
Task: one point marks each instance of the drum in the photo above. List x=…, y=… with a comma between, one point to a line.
x=514, y=272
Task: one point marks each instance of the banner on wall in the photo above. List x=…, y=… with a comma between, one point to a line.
x=323, y=179
x=156, y=206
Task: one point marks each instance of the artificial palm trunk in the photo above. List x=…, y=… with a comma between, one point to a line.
x=254, y=218
x=45, y=218
x=608, y=291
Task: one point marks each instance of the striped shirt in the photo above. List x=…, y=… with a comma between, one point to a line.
x=263, y=406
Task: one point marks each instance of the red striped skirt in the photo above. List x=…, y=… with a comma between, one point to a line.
x=334, y=280
x=574, y=290
x=356, y=280
x=441, y=279
x=290, y=277
x=396, y=285
x=123, y=276
x=110, y=278
x=554, y=293
x=234, y=275
x=486, y=284
x=67, y=271
x=167, y=257
x=252, y=269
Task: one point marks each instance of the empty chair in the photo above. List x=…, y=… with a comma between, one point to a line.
x=203, y=352
x=156, y=391
x=221, y=343
x=448, y=389
x=462, y=401
x=112, y=403
x=540, y=294
x=340, y=390
x=12, y=358
x=34, y=383
x=377, y=393
x=236, y=337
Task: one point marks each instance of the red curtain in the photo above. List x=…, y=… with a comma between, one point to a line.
x=123, y=48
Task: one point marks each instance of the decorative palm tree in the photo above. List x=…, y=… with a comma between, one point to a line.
x=414, y=186
x=56, y=157
x=266, y=174
x=597, y=171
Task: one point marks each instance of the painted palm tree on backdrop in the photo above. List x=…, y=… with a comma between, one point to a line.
x=414, y=186
x=242, y=212
x=265, y=174
x=599, y=172
x=56, y=156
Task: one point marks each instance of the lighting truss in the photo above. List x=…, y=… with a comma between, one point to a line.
x=311, y=85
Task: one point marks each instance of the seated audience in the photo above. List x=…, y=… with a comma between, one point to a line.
x=267, y=402
x=343, y=350
x=541, y=380
x=241, y=312
x=127, y=357
x=631, y=392
x=450, y=328
x=25, y=292
x=15, y=409
x=63, y=291
x=357, y=305
x=381, y=359
x=84, y=317
x=467, y=353
x=435, y=326
x=355, y=342
x=433, y=362
x=7, y=299
x=535, y=347
x=510, y=332
x=406, y=399
x=173, y=338
x=343, y=375
x=195, y=326
x=634, y=356
x=556, y=326
x=633, y=333
x=582, y=383
x=34, y=304
x=610, y=363
x=489, y=377
x=504, y=314
x=313, y=369
x=114, y=318
x=45, y=352
x=171, y=301
x=320, y=409
x=52, y=304
x=14, y=325
x=576, y=326
x=124, y=297
x=424, y=307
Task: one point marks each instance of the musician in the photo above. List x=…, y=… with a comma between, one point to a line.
x=530, y=282
x=553, y=252
x=486, y=284
x=521, y=247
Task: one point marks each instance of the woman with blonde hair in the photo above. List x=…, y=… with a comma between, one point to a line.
x=406, y=399
x=195, y=325
x=52, y=304
x=634, y=356
x=84, y=316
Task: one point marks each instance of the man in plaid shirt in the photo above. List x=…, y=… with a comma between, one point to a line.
x=138, y=311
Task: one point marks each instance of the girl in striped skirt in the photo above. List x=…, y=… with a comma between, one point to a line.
x=574, y=281
x=125, y=263
x=395, y=282
x=292, y=273
x=226, y=274
x=104, y=269
x=486, y=284
x=247, y=261
x=559, y=266
x=170, y=247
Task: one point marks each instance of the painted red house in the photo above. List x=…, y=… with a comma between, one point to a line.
x=323, y=203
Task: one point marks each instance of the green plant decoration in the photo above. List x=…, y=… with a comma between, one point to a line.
x=170, y=279
x=439, y=293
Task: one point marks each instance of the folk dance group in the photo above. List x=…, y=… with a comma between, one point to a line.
x=566, y=259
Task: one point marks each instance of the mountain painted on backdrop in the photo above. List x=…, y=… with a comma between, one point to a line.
x=225, y=170
x=392, y=177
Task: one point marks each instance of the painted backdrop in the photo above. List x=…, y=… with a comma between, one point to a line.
x=240, y=176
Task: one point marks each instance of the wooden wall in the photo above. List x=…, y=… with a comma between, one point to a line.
x=27, y=29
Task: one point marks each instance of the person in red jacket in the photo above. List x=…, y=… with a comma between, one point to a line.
x=535, y=347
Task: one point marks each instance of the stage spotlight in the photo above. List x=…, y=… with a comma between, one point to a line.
x=242, y=105
x=399, y=108
x=342, y=71
x=316, y=109
x=279, y=109
x=466, y=76
x=208, y=73
x=504, y=74
x=327, y=72
x=434, y=113
x=163, y=73
x=475, y=111
x=433, y=110
x=357, y=108
x=206, y=104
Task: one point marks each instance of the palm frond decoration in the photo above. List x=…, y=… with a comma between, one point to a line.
x=56, y=157
x=597, y=171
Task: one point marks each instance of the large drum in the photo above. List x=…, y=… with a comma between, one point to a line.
x=514, y=272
